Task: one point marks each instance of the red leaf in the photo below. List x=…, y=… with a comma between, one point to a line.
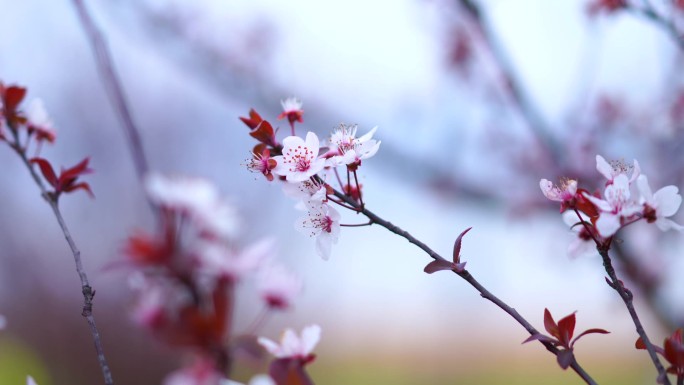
x=438, y=265
x=79, y=186
x=47, y=171
x=13, y=96
x=457, y=246
x=566, y=328
x=540, y=337
x=639, y=344
x=550, y=324
x=74, y=172
x=254, y=119
x=590, y=331
x=264, y=133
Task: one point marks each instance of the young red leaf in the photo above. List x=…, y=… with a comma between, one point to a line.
x=80, y=186
x=13, y=96
x=639, y=344
x=254, y=119
x=47, y=171
x=550, y=324
x=457, y=246
x=264, y=133
x=438, y=265
x=76, y=171
x=566, y=328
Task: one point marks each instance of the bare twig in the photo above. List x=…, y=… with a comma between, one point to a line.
x=647, y=11
x=374, y=219
x=512, y=84
x=113, y=86
x=86, y=289
x=628, y=298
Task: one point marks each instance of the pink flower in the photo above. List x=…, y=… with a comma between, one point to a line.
x=615, y=168
x=661, y=205
x=39, y=122
x=293, y=346
x=346, y=148
x=299, y=160
x=216, y=259
x=583, y=244
x=617, y=206
x=323, y=222
x=563, y=193
x=306, y=191
x=278, y=287
x=292, y=110
x=262, y=163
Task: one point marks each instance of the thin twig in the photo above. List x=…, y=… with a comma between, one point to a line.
x=514, y=89
x=628, y=298
x=484, y=293
x=647, y=11
x=113, y=86
x=86, y=289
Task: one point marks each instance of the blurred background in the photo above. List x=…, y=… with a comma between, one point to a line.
x=475, y=103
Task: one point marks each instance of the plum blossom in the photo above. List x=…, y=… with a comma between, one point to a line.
x=611, y=170
x=198, y=199
x=293, y=346
x=661, y=205
x=617, y=206
x=278, y=287
x=565, y=193
x=39, y=122
x=217, y=259
x=262, y=163
x=292, y=110
x=346, y=148
x=299, y=160
x=321, y=221
x=306, y=191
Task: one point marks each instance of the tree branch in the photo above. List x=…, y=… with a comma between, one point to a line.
x=484, y=293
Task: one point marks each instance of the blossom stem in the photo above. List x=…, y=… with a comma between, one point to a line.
x=484, y=293
x=342, y=204
x=586, y=226
x=628, y=299
x=86, y=289
x=358, y=188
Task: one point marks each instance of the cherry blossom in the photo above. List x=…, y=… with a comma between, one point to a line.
x=219, y=260
x=293, y=346
x=346, y=148
x=321, y=221
x=308, y=191
x=661, y=205
x=299, y=160
x=617, y=205
x=564, y=193
x=262, y=163
x=292, y=110
x=278, y=287
x=611, y=170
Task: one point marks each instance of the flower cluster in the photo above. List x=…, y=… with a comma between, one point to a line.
x=305, y=165
x=627, y=198
x=20, y=129
x=186, y=275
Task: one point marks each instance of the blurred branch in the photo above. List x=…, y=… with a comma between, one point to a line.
x=648, y=12
x=113, y=87
x=512, y=83
x=465, y=274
